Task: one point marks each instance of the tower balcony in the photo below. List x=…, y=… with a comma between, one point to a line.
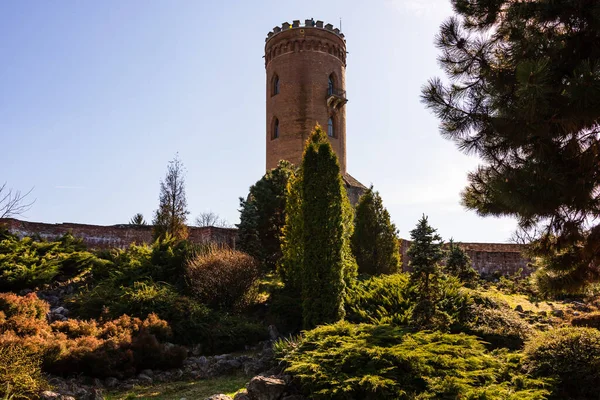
x=336, y=98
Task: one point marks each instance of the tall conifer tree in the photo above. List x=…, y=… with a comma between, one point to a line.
x=525, y=96
x=172, y=211
x=326, y=228
x=425, y=254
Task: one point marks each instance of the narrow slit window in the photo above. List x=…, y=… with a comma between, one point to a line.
x=276, y=129
x=276, y=85
x=330, y=130
x=330, y=86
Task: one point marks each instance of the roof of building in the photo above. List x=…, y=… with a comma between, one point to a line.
x=352, y=182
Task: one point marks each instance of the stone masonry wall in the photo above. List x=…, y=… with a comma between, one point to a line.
x=119, y=236
x=487, y=258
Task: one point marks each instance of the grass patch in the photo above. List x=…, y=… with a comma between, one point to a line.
x=514, y=300
x=197, y=389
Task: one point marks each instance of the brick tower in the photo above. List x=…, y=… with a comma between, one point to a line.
x=306, y=71
x=306, y=85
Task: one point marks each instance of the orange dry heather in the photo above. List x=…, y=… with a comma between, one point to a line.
x=306, y=85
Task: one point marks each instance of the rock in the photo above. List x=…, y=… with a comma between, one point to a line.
x=97, y=383
x=25, y=292
x=111, y=382
x=82, y=393
x=558, y=313
x=223, y=367
x=196, y=350
x=219, y=397
x=144, y=379
x=127, y=386
x=266, y=388
x=519, y=308
x=273, y=332
x=67, y=398
x=148, y=372
x=242, y=395
x=576, y=313
x=49, y=395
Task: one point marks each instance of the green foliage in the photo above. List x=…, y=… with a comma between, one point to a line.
x=326, y=230
x=292, y=247
x=171, y=215
x=458, y=264
x=524, y=94
x=379, y=300
x=571, y=356
x=374, y=242
x=262, y=216
x=142, y=280
x=346, y=361
x=27, y=263
x=20, y=373
x=223, y=278
x=425, y=253
x=495, y=322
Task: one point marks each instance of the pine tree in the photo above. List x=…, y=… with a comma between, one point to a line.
x=425, y=254
x=169, y=219
x=458, y=264
x=137, y=219
x=321, y=236
x=525, y=96
x=262, y=216
x=374, y=241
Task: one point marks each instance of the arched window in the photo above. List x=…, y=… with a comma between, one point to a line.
x=331, y=85
x=330, y=130
x=275, y=129
x=275, y=85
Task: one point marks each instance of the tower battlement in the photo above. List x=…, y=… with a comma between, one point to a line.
x=308, y=23
x=306, y=85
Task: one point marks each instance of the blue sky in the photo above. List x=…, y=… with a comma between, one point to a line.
x=96, y=97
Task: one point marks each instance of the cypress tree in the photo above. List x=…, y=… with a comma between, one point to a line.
x=425, y=254
x=292, y=247
x=524, y=94
x=326, y=227
x=374, y=242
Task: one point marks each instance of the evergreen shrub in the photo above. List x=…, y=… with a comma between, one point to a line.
x=569, y=355
x=347, y=361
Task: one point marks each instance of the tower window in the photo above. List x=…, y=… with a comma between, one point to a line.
x=275, y=85
x=330, y=130
x=275, y=129
x=331, y=85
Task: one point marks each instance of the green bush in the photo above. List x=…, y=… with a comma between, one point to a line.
x=388, y=299
x=495, y=322
x=379, y=300
x=27, y=263
x=223, y=278
x=20, y=373
x=569, y=355
x=346, y=361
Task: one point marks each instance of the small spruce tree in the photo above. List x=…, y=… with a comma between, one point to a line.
x=169, y=219
x=425, y=254
x=374, y=242
x=458, y=264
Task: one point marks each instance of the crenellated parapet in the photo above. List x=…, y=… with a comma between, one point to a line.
x=314, y=36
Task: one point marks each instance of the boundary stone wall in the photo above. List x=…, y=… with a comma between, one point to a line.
x=119, y=236
x=487, y=258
